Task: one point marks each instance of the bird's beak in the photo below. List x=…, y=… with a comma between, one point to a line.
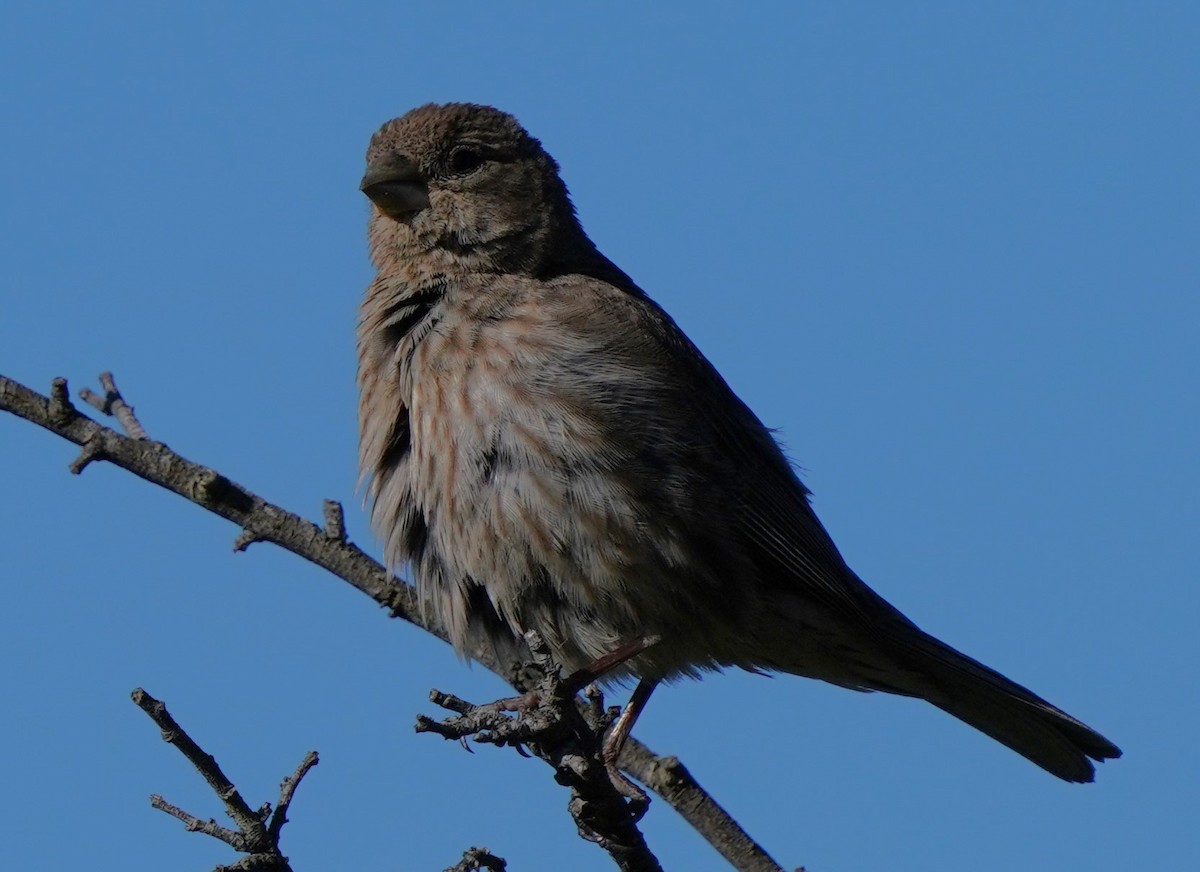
x=395, y=185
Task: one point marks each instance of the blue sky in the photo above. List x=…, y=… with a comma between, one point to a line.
x=949, y=250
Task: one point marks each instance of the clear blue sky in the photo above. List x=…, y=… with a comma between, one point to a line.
x=952, y=252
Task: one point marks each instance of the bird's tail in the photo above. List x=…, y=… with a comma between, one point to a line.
x=1004, y=710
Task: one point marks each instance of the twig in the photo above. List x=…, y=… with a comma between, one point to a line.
x=287, y=790
x=475, y=859
x=335, y=521
x=210, y=490
x=113, y=404
x=257, y=833
x=245, y=539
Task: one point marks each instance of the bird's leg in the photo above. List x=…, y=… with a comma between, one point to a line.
x=580, y=678
x=599, y=667
x=615, y=741
x=520, y=704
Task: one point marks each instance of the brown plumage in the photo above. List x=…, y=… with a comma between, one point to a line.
x=550, y=452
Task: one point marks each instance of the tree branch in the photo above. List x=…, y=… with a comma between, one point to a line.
x=563, y=735
x=261, y=521
x=114, y=405
x=475, y=859
x=257, y=835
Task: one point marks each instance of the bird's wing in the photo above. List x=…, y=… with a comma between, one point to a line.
x=753, y=485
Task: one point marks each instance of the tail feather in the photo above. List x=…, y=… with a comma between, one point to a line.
x=1004, y=710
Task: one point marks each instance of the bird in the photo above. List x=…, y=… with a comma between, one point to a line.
x=546, y=450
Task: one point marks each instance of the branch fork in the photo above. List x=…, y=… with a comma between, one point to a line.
x=258, y=831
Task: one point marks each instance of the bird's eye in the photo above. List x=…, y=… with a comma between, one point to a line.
x=464, y=160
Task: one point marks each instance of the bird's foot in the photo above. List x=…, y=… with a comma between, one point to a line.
x=637, y=801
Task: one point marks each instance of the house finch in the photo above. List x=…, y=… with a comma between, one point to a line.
x=550, y=452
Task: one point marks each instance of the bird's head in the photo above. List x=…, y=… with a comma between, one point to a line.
x=462, y=186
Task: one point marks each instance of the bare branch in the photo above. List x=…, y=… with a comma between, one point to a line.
x=210, y=490
x=114, y=405
x=60, y=409
x=286, y=791
x=475, y=859
x=89, y=452
x=254, y=836
x=245, y=539
x=207, y=488
x=193, y=824
x=335, y=521
x=671, y=780
x=205, y=764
